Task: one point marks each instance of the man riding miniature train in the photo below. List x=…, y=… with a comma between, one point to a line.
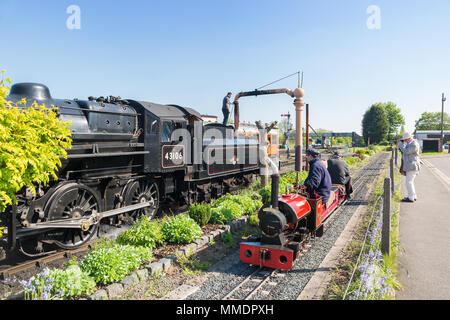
x=318, y=182
x=320, y=179
x=340, y=173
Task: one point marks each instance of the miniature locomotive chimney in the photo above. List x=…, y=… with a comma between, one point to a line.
x=274, y=193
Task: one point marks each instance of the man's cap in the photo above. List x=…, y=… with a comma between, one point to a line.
x=337, y=155
x=406, y=135
x=312, y=152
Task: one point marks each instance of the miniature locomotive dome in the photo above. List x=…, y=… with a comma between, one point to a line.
x=35, y=91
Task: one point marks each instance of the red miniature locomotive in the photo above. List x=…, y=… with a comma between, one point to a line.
x=286, y=224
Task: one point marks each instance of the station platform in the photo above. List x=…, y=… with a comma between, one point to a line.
x=424, y=255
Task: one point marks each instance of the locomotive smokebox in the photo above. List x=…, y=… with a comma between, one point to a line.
x=32, y=91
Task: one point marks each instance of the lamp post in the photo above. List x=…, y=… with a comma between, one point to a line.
x=442, y=122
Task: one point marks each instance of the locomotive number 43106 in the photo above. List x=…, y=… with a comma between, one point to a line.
x=173, y=156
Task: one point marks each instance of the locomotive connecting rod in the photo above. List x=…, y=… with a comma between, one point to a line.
x=85, y=223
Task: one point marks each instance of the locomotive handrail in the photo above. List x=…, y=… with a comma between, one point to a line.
x=105, y=154
x=90, y=110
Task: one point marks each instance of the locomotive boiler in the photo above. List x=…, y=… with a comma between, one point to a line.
x=127, y=157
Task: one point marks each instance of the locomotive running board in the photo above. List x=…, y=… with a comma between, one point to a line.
x=270, y=256
x=84, y=223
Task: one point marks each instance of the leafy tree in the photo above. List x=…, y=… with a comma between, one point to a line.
x=375, y=124
x=432, y=121
x=395, y=119
x=32, y=139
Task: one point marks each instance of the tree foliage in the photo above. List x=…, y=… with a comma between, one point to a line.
x=375, y=124
x=379, y=125
x=432, y=121
x=32, y=140
x=395, y=119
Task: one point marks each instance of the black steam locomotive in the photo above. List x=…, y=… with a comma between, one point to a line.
x=127, y=157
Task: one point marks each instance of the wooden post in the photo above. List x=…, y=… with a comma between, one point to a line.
x=392, y=175
x=386, y=228
x=396, y=157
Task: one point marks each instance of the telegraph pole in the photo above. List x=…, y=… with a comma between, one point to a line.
x=442, y=122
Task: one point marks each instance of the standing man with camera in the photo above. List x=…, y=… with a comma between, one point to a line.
x=410, y=164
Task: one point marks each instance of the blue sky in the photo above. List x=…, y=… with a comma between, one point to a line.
x=193, y=52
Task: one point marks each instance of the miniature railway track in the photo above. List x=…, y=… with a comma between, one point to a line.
x=38, y=264
x=251, y=285
x=259, y=283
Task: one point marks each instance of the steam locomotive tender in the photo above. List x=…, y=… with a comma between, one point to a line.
x=127, y=157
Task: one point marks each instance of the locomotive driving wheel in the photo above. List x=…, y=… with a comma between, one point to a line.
x=72, y=201
x=139, y=191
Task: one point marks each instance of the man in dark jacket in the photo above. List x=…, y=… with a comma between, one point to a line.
x=226, y=108
x=318, y=180
x=340, y=173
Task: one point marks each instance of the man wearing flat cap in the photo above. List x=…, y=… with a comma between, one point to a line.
x=411, y=164
x=340, y=173
x=318, y=182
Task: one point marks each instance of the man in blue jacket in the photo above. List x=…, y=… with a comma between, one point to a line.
x=318, y=182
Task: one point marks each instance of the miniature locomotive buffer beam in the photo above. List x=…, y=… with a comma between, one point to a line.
x=85, y=223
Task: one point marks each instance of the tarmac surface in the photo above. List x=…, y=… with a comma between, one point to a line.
x=424, y=257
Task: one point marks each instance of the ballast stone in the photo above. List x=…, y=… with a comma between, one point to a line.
x=114, y=290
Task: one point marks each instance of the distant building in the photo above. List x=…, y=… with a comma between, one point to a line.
x=209, y=119
x=357, y=140
x=430, y=140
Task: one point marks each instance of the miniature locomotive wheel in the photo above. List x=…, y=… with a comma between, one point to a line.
x=141, y=191
x=72, y=202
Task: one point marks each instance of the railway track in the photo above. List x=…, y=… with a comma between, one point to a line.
x=20, y=267
x=256, y=283
x=34, y=266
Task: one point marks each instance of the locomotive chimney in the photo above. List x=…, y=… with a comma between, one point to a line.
x=274, y=193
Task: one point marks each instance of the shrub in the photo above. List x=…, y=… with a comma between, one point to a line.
x=221, y=215
x=352, y=160
x=112, y=262
x=246, y=203
x=144, y=233
x=57, y=283
x=253, y=220
x=288, y=180
x=32, y=139
x=200, y=213
x=180, y=229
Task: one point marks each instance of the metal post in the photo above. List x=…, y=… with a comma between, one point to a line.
x=307, y=134
x=299, y=137
x=442, y=122
x=386, y=228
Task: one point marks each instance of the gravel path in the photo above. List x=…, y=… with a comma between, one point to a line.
x=230, y=272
